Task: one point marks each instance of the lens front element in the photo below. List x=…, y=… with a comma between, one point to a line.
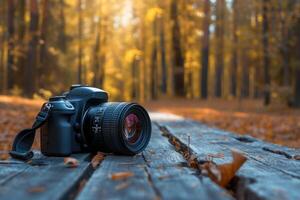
x=132, y=128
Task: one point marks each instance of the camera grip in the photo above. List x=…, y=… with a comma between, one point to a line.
x=56, y=136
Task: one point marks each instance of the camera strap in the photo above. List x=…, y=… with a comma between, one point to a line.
x=22, y=144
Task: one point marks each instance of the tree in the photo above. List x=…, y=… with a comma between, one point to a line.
x=266, y=56
x=234, y=55
x=205, y=50
x=296, y=33
x=178, y=59
x=96, y=52
x=31, y=67
x=62, y=40
x=21, y=45
x=220, y=15
x=154, y=60
x=245, y=73
x=163, y=55
x=285, y=9
x=43, y=42
x=2, y=46
x=80, y=24
x=11, y=43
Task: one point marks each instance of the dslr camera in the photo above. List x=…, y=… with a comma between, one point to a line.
x=82, y=120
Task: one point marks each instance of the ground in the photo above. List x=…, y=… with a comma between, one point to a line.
x=276, y=124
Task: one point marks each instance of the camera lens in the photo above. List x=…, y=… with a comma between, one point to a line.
x=123, y=128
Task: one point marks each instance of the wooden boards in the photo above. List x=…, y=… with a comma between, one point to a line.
x=265, y=175
x=159, y=173
x=44, y=178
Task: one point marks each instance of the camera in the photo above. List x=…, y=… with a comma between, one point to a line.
x=82, y=120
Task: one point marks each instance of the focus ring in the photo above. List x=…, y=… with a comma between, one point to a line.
x=110, y=126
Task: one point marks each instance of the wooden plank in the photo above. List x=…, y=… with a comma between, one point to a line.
x=169, y=173
x=45, y=178
x=259, y=178
x=101, y=185
x=160, y=173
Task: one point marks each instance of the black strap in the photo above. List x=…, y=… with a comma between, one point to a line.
x=24, y=139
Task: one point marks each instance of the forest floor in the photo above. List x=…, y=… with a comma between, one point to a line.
x=276, y=123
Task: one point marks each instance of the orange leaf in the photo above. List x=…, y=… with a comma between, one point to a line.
x=121, y=175
x=97, y=159
x=222, y=174
x=37, y=189
x=71, y=162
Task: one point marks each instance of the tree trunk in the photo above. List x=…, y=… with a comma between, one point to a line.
x=219, y=47
x=2, y=46
x=96, y=56
x=266, y=56
x=245, y=74
x=284, y=46
x=296, y=32
x=234, y=56
x=11, y=44
x=79, y=72
x=101, y=74
x=134, y=76
x=30, y=73
x=21, y=42
x=297, y=87
x=178, y=59
x=154, y=61
x=61, y=31
x=163, y=57
x=43, y=44
x=205, y=51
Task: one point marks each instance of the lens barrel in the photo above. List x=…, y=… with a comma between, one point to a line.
x=122, y=128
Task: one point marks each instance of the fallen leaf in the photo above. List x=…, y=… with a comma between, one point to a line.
x=4, y=156
x=71, y=162
x=222, y=174
x=296, y=157
x=121, y=175
x=37, y=189
x=97, y=159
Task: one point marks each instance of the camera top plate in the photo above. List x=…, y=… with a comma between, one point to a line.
x=85, y=92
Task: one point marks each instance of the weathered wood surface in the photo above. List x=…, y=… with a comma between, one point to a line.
x=265, y=175
x=160, y=172
x=43, y=178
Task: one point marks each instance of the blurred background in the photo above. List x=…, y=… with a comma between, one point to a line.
x=234, y=64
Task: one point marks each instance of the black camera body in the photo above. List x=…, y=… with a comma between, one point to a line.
x=82, y=120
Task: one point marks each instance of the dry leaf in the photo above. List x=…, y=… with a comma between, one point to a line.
x=121, y=175
x=222, y=174
x=4, y=156
x=71, y=162
x=37, y=189
x=97, y=159
x=296, y=157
